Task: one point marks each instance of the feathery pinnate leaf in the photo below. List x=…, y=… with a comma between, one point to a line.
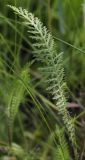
x=45, y=52
x=16, y=96
x=62, y=151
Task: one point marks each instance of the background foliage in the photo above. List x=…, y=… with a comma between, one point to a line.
x=38, y=121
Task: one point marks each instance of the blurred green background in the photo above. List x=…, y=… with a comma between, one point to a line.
x=65, y=19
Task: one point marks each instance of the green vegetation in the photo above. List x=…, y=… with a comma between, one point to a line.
x=42, y=79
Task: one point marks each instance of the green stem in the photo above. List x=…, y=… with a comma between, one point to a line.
x=49, y=15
